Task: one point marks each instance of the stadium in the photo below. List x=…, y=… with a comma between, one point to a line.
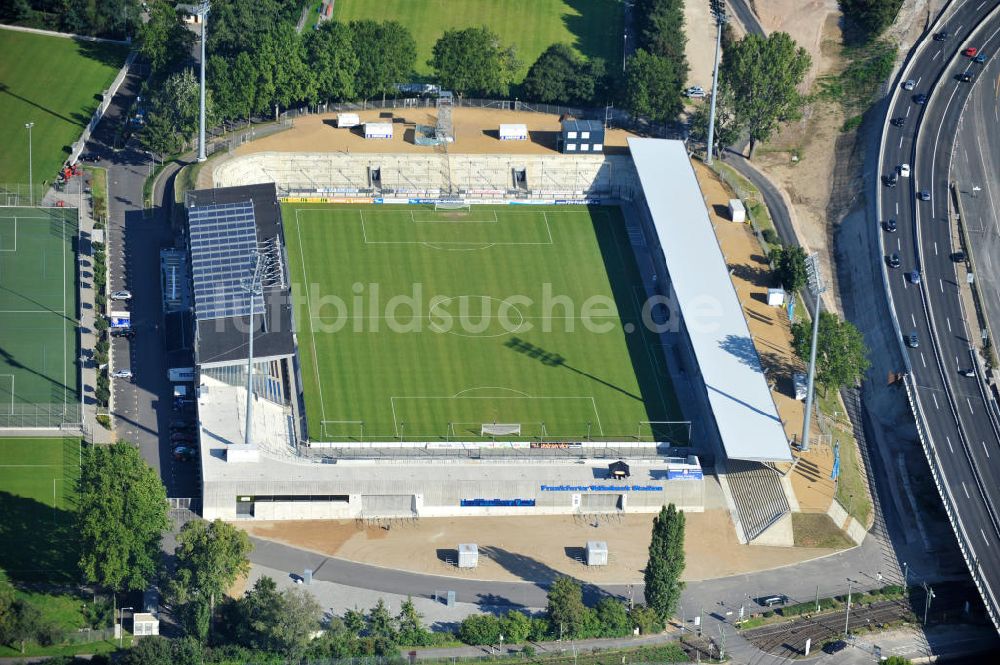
x=438, y=334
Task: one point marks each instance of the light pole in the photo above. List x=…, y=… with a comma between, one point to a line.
x=31, y=181
x=847, y=620
x=624, y=51
x=121, y=622
x=906, y=571
x=817, y=287
x=929, y=592
x=202, y=11
x=719, y=11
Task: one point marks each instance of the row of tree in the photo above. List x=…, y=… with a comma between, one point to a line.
x=99, y=18
x=655, y=74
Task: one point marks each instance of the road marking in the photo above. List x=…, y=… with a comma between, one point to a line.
x=959, y=29
x=934, y=397
x=973, y=411
x=948, y=321
x=980, y=6
x=966, y=490
x=985, y=540
x=922, y=359
x=935, y=248
x=918, y=81
x=985, y=449
x=908, y=111
x=941, y=284
x=913, y=318
x=948, y=439
x=899, y=244
x=900, y=142
x=897, y=208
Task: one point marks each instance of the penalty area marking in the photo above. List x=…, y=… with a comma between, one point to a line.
x=593, y=403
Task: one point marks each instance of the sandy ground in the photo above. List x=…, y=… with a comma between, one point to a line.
x=700, y=48
x=772, y=335
x=804, y=20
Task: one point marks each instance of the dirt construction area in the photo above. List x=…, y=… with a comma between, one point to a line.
x=535, y=548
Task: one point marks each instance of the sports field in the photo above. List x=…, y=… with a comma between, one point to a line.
x=426, y=325
x=593, y=28
x=38, y=486
x=55, y=83
x=39, y=382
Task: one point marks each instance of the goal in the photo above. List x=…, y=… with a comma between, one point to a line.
x=451, y=205
x=500, y=429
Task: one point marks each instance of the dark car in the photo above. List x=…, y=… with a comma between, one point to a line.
x=90, y=157
x=889, y=225
x=835, y=646
x=911, y=340
x=177, y=424
x=920, y=99
x=890, y=180
x=924, y=195
x=772, y=600
x=180, y=436
x=183, y=454
x=965, y=77
x=941, y=36
x=913, y=276
x=958, y=257
x=898, y=122
x=893, y=260
x=127, y=333
x=980, y=59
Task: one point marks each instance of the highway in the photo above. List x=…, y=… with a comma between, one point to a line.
x=960, y=430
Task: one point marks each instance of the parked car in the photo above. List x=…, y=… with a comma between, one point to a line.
x=892, y=260
x=90, y=157
x=772, y=600
x=180, y=436
x=889, y=225
x=970, y=52
x=127, y=333
x=834, y=647
x=124, y=373
x=695, y=92
x=183, y=454
x=958, y=257
x=121, y=295
x=920, y=99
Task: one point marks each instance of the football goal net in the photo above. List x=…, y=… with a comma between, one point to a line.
x=500, y=429
x=451, y=205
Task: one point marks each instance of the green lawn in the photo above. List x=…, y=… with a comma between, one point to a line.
x=55, y=83
x=38, y=480
x=593, y=28
x=499, y=314
x=39, y=378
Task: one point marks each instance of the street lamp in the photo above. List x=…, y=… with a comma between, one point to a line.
x=31, y=183
x=624, y=50
x=817, y=288
x=719, y=12
x=906, y=571
x=847, y=620
x=121, y=622
x=202, y=12
x=929, y=592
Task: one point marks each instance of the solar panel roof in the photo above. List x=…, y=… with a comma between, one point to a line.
x=223, y=243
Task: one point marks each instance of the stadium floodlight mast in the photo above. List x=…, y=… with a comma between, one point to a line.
x=28, y=126
x=202, y=12
x=719, y=12
x=817, y=287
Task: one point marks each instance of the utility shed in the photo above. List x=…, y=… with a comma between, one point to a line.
x=145, y=623
x=513, y=132
x=597, y=553
x=348, y=120
x=378, y=130
x=468, y=555
x=737, y=212
x=581, y=136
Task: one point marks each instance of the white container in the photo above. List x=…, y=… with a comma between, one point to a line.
x=378, y=130
x=597, y=553
x=737, y=212
x=348, y=120
x=468, y=555
x=776, y=297
x=513, y=132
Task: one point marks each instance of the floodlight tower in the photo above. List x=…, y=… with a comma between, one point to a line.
x=817, y=287
x=202, y=12
x=719, y=12
x=254, y=286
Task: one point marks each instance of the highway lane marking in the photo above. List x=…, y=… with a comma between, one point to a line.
x=948, y=321
x=948, y=439
x=936, y=55
x=966, y=490
x=897, y=208
x=959, y=29
x=941, y=284
x=900, y=142
x=912, y=318
x=984, y=537
x=899, y=244
x=980, y=5
x=934, y=397
x=935, y=248
x=918, y=81
x=908, y=108
x=925, y=366
x=973, y=412
x=985, y=450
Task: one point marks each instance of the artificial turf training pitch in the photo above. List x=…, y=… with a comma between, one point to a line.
x=39, y=382
x=425, y=325
x=38, y=489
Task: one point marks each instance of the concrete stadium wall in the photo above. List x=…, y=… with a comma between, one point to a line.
x=433, y=175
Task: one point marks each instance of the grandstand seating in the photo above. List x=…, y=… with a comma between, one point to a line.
x=760, y=499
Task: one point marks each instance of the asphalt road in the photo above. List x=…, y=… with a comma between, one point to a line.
x=965, y=445
x=142, y=409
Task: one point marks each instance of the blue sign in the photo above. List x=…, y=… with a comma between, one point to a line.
x=602, y=488
x=492, y=503
x=684, y=474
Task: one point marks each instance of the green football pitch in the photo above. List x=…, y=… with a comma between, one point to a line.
x=593, y=28
x=55, y=83
x=39, y=382
x=38, y=485
x=426, y=325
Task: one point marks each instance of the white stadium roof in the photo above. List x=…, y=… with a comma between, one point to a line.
x=730, y=367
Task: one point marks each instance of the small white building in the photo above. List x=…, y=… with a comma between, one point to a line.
x=776, y=297
x=468, y=555
x=145, y=623
x=597, y=553
x=514, y=132
x=737, y=211
x=378, y=130
x=348, y=120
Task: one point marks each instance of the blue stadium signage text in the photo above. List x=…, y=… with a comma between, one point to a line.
x=602, y=488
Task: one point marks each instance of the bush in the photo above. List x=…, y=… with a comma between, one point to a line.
x=515, y=626
x=528, y=651
x=851, y=123
x=104, y=421
x=646, y=619
x=770, y=237
x=480, y=629
x=768, y=614
x=100, y=324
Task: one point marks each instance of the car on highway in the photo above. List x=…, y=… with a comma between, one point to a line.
x=121, y=295
x=968, y=371
x=958, y=257
x=904, y=170
x=183, y=454
x=970, y=51
x=909, y=84
x=898, y=122
x=889, y=225
x=941, y=36
x=924, y=195
x=127, y=333
x=893, y=260
x=911, y=340
x=889, y=180
x=965, y=77
x=913, y=276
x=124, y=373
x=695, y=92
x=920, y=99
x=980, y=59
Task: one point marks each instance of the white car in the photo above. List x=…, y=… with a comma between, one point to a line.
x=904, y=170
x=909, y=84
x=695, y=92
x=121, y=295
x=122, y=373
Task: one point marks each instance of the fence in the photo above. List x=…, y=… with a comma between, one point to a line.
x=109, y=94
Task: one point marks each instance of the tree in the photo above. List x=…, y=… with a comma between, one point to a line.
x=727, y=128
x=653, y=86
x=474, y=60
x=841, y=354
x=897, y=660
x=163, y=38
x=660, y=27
x=480, y=629
x=868, y=18
x=173, y=113
x=566, y=610
x=560, y=76
x=121, y=517
x=790, y=267
x=333, y=60
x=666, y=562
x=764, y=74
x=387, y=55
x=278, y=622
x=646, y=619
x=612, y=617
x=515, y=626
x=380, y=624
x=410, y=626
x=210, y=557
x=355, y=622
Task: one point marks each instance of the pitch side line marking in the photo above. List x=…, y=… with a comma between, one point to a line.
x=312, y=337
